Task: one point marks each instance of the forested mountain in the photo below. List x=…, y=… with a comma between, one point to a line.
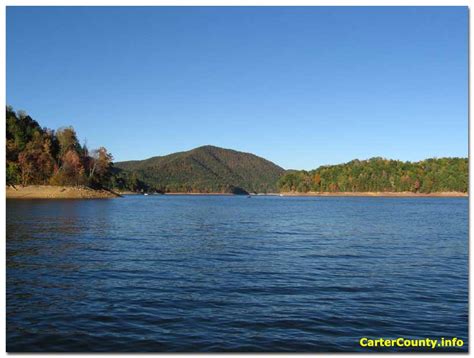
x=378, y=174
x=36, y=155
x=204, y=169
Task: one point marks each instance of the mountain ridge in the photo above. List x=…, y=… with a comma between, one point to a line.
x=206, y=168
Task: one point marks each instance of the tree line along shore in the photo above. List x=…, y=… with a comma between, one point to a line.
x=43, y=163
x=375, y=175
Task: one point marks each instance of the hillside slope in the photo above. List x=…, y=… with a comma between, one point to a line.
x=432, y=175
x=206, y=169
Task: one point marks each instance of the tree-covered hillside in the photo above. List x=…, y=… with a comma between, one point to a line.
x=379, y=175
x=205, y=169
x=36, y=155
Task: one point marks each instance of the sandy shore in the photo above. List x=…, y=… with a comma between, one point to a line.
x=381, y=194
x=56, y=192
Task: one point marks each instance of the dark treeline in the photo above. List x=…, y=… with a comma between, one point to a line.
x=36, y=155
x=382, y=175
x=128, y=181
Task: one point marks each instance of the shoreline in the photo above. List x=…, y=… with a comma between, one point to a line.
x=51, y=192
x=174, y=193
x=82, y=192
x=405, y=194
x=223, y=194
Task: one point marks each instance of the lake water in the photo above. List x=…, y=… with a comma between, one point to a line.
x=229, y=273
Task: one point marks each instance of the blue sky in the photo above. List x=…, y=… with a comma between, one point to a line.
x=299, y=86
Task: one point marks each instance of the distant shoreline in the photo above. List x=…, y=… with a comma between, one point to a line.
x=57, y=192
x=407, y=194
x=179, y=193
x=328, y=194
x=224, y=194
x=81, y=192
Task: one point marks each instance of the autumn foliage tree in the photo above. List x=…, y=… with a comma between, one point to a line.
x=100, y=166
x=382, y=175
x=36, y=162
x=38, y=155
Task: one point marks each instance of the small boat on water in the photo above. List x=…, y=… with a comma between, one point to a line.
x=145, y=194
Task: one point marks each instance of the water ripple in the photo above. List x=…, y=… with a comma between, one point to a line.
x=227, y=274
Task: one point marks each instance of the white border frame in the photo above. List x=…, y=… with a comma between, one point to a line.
x=200, y=3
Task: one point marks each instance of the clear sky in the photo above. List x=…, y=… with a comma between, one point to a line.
x=299, y=86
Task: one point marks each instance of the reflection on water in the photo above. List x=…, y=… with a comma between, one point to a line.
x=210, y=273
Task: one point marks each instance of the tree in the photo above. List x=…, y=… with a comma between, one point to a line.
x=71, y=171
x=100, y=166
x=36, y=162
x=68, y=141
